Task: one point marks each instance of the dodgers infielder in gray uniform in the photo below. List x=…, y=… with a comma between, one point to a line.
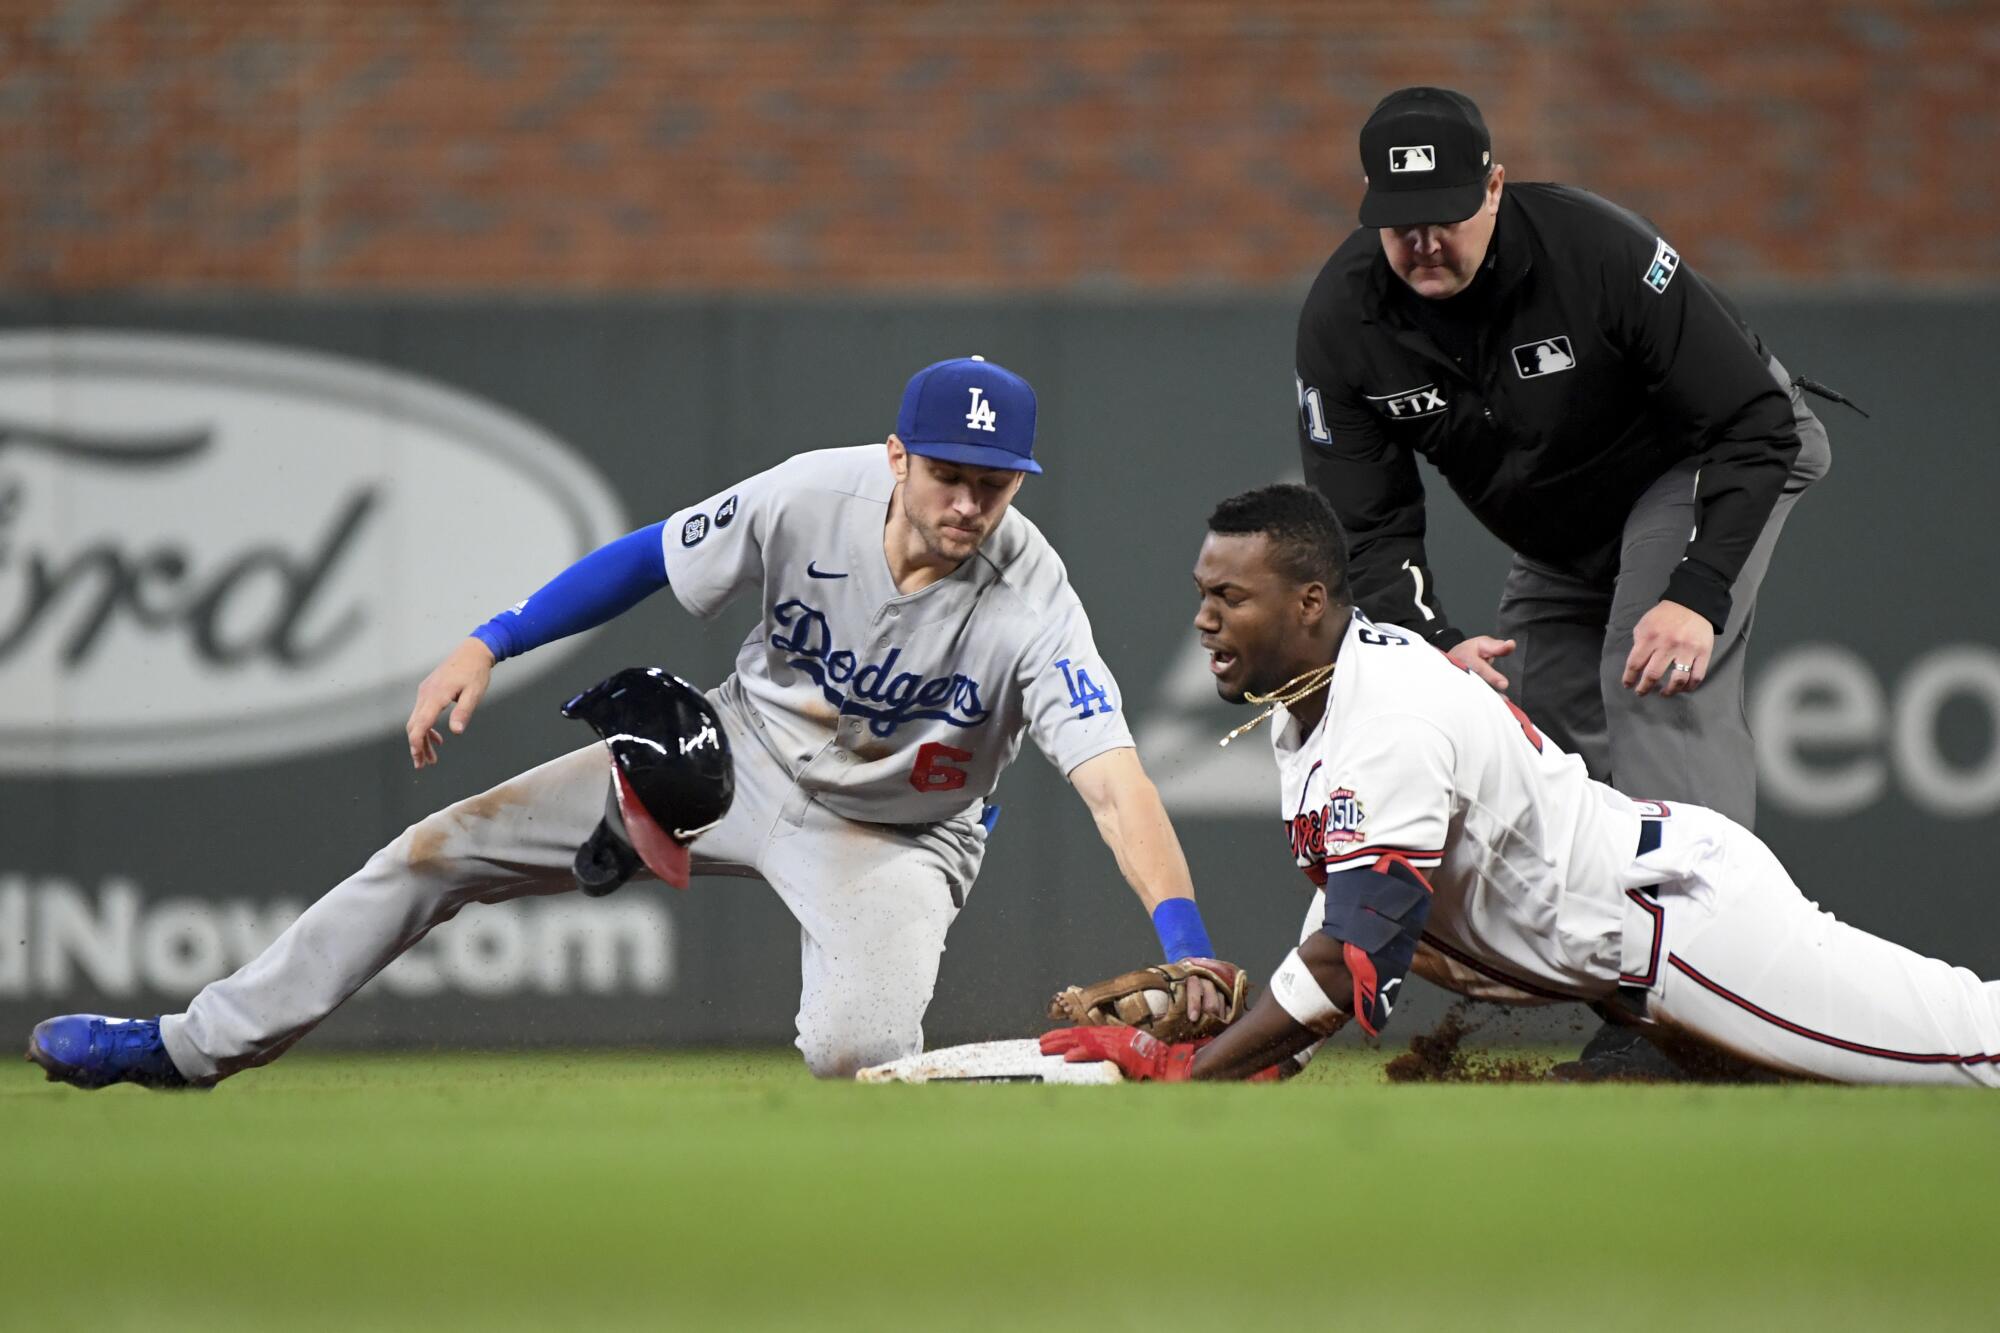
x=914, y=626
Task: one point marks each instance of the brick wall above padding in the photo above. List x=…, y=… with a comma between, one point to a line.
x=602, y=146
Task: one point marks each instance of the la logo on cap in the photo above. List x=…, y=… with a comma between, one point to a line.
x=982, y=416
x=1423, y=157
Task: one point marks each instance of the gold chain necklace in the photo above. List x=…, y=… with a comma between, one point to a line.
x=1293, y=690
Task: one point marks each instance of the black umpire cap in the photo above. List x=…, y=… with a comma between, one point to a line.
x=1426, y=153
x=671, y=776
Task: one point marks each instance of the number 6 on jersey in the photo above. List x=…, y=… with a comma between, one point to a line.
x=932, y=773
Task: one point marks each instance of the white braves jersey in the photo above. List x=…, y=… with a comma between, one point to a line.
x=1526, y=856
x=891, y=707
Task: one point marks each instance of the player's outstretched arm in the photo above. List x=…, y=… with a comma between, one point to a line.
x=606, y=583
x=1270, y=1033
x=1374, y=919
x=458, y=683
x=1133, y=822
x=1257, y=1048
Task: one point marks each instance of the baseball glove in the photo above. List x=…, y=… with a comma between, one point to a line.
x=1154, y=1000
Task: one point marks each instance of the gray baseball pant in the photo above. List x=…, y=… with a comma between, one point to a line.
x=873, y=903
x=1572, y=630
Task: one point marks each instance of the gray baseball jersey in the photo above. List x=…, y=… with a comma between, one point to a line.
x=891, y=707
x=890, y=714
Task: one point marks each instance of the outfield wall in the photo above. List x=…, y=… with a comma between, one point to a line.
x=234, y=533
x=326, y=147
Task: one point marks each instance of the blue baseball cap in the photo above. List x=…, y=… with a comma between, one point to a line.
x=970, y=411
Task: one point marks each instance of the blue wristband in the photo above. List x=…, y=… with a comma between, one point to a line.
x=1182, y=935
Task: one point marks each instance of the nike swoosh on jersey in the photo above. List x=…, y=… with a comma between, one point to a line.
x=820, y=573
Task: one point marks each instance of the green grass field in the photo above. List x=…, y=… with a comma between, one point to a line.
x=731, y=1191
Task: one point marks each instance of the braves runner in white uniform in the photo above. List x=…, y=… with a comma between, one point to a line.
x=870, y=717
x=1547, y=883
x=1448, y=833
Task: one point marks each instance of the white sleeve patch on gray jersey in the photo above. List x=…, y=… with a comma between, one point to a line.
x=716, y=550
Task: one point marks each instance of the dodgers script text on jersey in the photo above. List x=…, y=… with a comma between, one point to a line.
x=887, y=706
x=887, y=700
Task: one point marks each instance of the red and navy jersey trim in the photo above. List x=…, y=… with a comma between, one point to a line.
x=1799, y=1030
x=1414, y=858
x=1492, y=973
x=1659, y=916
x=1306, y=786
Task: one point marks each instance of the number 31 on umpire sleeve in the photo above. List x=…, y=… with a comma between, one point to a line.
x=1312, y=412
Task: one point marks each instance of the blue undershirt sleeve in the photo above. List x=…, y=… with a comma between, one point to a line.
x=604, y=584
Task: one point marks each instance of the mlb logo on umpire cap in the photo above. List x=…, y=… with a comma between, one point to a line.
x=1426, y=154
x=969, y=410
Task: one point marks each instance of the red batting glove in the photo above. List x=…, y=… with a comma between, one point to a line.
x=1138, y=1055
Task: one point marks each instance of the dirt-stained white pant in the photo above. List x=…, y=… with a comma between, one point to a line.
x=1725, y=949
x=1729, y=951
x=873, y=903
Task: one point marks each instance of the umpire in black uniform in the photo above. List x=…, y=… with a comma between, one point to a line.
x=1597, y=405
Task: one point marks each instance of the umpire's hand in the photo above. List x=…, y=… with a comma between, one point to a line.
x=1476, y=655
x=459, y=683
x=1671, y=646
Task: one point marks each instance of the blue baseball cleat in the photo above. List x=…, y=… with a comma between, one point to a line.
x=92, y=1051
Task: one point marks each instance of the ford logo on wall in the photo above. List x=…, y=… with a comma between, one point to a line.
x=216, y=551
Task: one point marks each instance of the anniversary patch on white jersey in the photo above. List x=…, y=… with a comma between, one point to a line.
x=1329, y=830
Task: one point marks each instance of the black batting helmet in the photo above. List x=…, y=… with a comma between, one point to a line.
x=671, y=776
